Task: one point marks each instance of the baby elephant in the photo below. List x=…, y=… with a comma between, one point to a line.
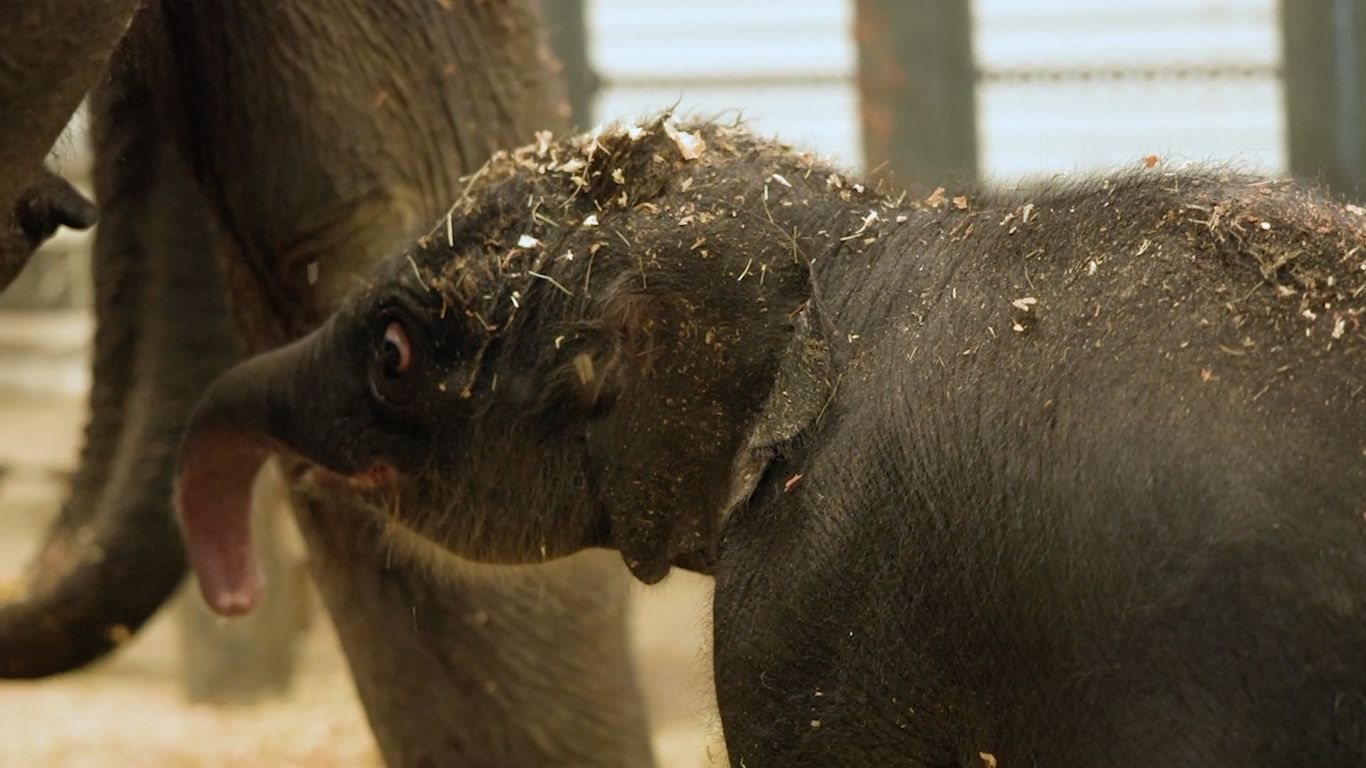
x=1076, y=479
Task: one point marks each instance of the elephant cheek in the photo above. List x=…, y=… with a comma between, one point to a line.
x=213, y=500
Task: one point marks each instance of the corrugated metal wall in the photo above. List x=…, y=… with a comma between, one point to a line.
x=788, y=67
x=1071, y=85
x=1065, y=85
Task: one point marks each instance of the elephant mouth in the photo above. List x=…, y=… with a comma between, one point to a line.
x=378, y=477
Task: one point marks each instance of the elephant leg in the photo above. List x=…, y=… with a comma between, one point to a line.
x=325, y=134
x=468, y=665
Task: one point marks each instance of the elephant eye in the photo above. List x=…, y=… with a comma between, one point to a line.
x=396, y=352
x=397, y=367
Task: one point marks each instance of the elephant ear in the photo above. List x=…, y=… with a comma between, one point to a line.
x=688, y=430
x=801, y=390
x=654, y=436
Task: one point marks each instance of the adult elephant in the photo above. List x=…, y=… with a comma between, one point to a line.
x=50, y=53
x=282, y=148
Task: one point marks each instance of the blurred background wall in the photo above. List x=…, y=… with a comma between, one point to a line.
x=1059, y=86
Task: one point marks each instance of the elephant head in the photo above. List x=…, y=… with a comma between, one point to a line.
x=562, y=365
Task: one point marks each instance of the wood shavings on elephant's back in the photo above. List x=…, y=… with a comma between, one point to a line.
x=1303, y=247
x=1286, y=264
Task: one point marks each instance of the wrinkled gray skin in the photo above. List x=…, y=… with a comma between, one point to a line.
x=1067, y=481
x=48, y=203
x=42, y=78
x=282, y=148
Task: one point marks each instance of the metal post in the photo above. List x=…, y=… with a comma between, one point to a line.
x=569, y=40
x=916, y=84
x=1325, y=71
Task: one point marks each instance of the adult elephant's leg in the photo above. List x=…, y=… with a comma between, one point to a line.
x=464, y=666
x=326, y=133
x=114, y=556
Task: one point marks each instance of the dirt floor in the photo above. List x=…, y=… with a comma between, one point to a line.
x=130, y=709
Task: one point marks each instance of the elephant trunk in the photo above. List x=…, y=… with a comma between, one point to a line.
x=279, y=402
x=114, y=556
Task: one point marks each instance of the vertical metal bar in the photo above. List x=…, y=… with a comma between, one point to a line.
x=1348, y=88
x=568, y=29
x=916, y=88
x=1324, y=74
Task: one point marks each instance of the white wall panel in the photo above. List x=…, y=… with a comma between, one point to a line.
x=788, y=67
x=1077, y=85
